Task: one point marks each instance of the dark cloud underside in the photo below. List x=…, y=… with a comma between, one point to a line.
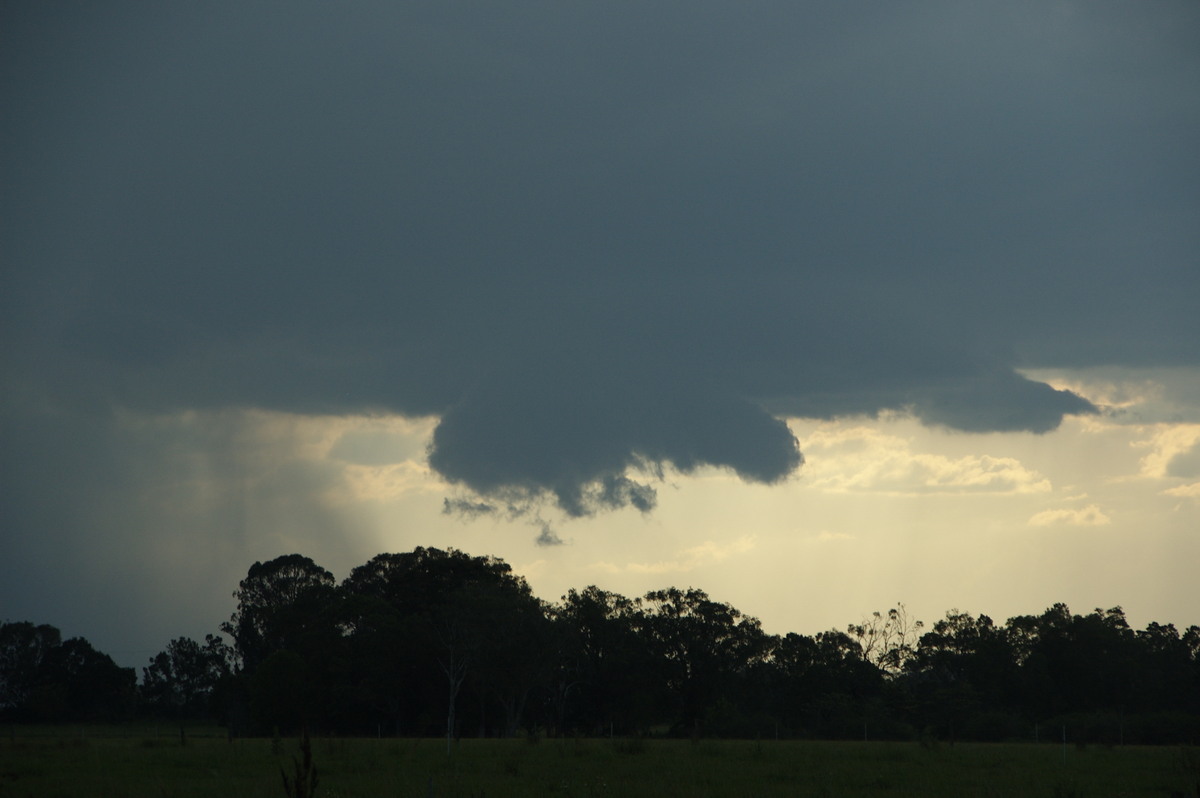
x=595, y=238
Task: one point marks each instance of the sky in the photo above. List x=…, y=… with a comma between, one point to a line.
x=817, y=307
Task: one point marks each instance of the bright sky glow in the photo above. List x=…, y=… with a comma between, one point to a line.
x=885, y=510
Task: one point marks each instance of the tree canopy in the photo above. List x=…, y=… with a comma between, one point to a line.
x=440, y=642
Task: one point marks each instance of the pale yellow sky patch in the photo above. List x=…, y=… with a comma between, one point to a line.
x=267, y=436
x=883, y=510
x=362, y=483
x=707, y=553
x=825, y=536
x=533, y=569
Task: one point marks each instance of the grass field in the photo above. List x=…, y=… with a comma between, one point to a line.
x=78, y=763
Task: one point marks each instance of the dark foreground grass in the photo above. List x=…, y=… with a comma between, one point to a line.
x=74, y=765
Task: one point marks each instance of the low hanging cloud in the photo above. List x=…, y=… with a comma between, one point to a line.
x=547, y=536
x=1191, y=491
x=1174, y=451
x=1091, y=515
x=1131, y=396
x=594, y=246
x=576, y=440
x=847, y=458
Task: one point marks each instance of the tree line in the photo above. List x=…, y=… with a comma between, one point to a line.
x=433, y=642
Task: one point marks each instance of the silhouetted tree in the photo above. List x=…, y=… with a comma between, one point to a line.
x=24, y=648
x=962, y=667
x=607, y=677
x=429, y=640
x=824, y=684
x=284, y=692
x=279, y=604
x=286, y=612
x=888, y=641
x=1167, y=669
x=1073, y=663
x=704, y=646
x=377, y=671
x=466, y=617
x=77, y=682
x=179, y=681
x=43, y=678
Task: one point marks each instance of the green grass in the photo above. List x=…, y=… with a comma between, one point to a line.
x=73, y=763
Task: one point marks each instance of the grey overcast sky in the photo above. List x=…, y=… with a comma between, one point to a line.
x=916, y=278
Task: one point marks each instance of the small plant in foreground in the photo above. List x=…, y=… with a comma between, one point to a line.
x=304, y=785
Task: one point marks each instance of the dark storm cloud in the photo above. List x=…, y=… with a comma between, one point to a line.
x=575, y=429
x=595, y=239
x=547, y=536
